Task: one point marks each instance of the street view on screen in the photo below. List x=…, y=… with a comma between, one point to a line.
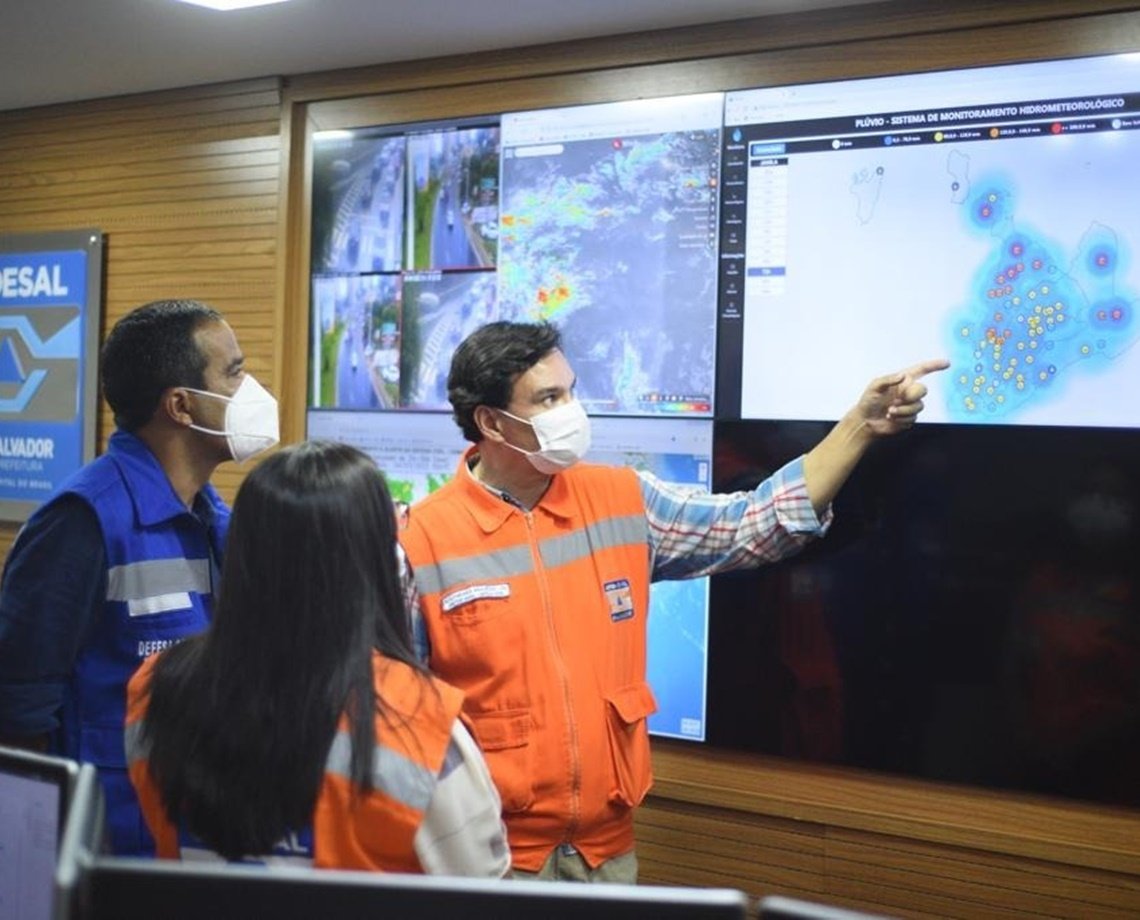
x=404, y=248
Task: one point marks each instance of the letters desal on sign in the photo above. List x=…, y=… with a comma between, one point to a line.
x=32, y=281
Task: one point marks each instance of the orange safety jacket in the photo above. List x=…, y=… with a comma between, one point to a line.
x=373, y=831
x=540, y=618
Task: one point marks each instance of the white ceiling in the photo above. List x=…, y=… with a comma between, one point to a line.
x=64, y=50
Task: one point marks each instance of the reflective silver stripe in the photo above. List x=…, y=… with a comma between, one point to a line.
x=516, y=560
x=392, y=773
x=156, y=577
x=605, y=534
x=500, y=563
x=134, y=744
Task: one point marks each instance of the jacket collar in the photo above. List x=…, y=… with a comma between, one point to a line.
x=491, y=508
x=152, y=495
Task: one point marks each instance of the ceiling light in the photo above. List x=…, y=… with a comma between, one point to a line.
x=228, y=5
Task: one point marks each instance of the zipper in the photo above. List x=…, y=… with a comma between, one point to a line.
x=564, y=679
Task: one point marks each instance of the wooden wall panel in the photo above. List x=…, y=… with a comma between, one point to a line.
x=185, y=186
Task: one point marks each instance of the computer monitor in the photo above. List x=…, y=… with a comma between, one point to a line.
x=35, y=791
x=83, y=840
x=778, y=907
x=130, y=889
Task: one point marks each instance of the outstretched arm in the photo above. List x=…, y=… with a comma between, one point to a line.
x=889, y=405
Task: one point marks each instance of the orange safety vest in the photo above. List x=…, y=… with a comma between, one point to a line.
x=540, y=618
x=350, y=830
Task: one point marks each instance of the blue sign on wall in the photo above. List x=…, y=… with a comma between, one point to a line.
x=49, y=325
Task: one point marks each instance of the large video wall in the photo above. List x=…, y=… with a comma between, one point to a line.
x=729, y=270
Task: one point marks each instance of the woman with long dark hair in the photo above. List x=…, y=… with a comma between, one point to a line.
x=300, y=725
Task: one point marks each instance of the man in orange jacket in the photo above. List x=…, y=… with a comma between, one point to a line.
x=532, y=576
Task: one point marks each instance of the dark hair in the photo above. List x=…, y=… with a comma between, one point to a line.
x=148, y=351
x=489, y=361
x=241, y=717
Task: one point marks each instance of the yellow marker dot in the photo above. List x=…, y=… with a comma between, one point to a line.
x=1044, y=289
x=1043, y=375
x=1085, y=349
x=1001, y=397
x=1021, y=385
x=962, y=380
x=1029, y=359
x=989, y=391
x=965, y=331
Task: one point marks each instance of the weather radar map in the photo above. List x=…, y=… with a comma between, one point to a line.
x=1038, y=315
x=608, y=229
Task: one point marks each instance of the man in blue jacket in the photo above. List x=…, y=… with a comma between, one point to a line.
x=122, y=561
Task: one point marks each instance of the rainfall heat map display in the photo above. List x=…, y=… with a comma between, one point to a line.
x=990, y=219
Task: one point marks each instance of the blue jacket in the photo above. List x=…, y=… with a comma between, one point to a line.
x=162, y=565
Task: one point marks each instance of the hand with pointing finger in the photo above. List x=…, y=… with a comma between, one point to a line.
x=891, y=403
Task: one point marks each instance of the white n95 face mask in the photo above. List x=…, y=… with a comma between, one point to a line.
x=251, y=419
x=563, y=437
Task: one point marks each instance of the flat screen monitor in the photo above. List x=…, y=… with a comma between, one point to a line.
x=986, y=215
x=358, y=203
x=608, y=229
x=128, y=889
x=404, y=248
x=83, y=841
x=419, y=452
x=778, y=907
x=35, y=792
x=972, y=615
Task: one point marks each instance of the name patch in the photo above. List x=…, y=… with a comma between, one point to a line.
x=619, y=598
x=473, y=593
x=160, y=603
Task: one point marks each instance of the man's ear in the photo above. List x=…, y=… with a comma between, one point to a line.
x=174, y=404
x=489, y=422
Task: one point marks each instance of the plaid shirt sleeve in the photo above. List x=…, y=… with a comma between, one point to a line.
x=418, y=627
x=693, y=532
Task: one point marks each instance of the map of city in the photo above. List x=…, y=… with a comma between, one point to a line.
x=1011, y=257
x=614, y=240
x=1036, y=316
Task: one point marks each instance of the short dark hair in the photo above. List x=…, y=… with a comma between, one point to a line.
x=148, y=351
x=489, y=361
